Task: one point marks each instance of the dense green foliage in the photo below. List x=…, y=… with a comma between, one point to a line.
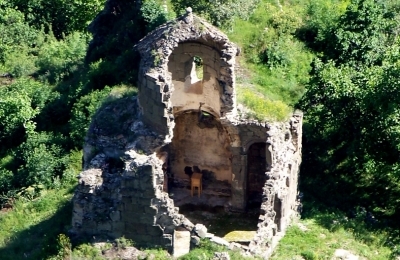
x=60, y=16
x=352, y=129
x=220, y=13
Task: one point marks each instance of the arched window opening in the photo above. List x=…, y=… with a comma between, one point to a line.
x=199, y=68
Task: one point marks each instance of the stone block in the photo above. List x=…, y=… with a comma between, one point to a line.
x=219, y=241
x=170, y=229
x=166, y=240
x=181, y=244
x=211, y=71
x=135, y=227
x=149, y=210
x=200, y=230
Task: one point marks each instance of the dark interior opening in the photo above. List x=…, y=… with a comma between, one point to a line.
x=278, y=211
x=256, y=177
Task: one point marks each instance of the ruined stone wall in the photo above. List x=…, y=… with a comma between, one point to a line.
x=165, y=56
x=123, y=195
x=133, y=146
x=280, y=202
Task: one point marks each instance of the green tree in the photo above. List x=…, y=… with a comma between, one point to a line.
x=41, y=160
x=82, y=113
x=16, y=111
x=16, y=34
x=352, y=111
x=61, y=16
x=153, y=14
x=221, y=13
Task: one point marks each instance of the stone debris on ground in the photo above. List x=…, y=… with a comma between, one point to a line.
x=200, y=230
x=342, y=254
x=302, y=227
x=219, y=241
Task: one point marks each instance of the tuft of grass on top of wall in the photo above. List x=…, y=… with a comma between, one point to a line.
x=262, y=108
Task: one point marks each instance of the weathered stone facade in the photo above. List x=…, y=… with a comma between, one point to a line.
x=181, y=124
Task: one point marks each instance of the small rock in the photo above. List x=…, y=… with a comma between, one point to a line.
x=219, y=240
x=201, y=230
x=302, y=227
x=221, y=256
x=343, y=254
x=209, y=235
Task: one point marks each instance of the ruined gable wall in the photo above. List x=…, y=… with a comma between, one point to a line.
x=155, y=81
x=188, y=96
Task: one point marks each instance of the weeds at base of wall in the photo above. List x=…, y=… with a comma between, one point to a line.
x=206, y=251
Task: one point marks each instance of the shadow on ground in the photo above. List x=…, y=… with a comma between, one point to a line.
x=39, y=241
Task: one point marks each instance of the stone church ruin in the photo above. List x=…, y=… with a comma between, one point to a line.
x=140, y=155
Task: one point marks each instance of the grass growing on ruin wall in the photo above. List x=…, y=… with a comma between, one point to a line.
x=263, y=108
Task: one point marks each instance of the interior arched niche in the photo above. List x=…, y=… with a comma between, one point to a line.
x=190, y=91
x=201, y=144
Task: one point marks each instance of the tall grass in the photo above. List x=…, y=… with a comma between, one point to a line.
x=276, y=64
x=30, y=229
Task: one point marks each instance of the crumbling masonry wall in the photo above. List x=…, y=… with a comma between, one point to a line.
x=134, y=146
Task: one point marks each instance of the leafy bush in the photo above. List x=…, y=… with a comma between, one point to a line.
x=60, y=16
x=58, y=59
x=154, y=14
x=16, y=110
x=86, y=251
x=41, y=160
x=16, y=34
x=6, y=179
x=220, y=13
x=321, y=17
x=82, y=113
